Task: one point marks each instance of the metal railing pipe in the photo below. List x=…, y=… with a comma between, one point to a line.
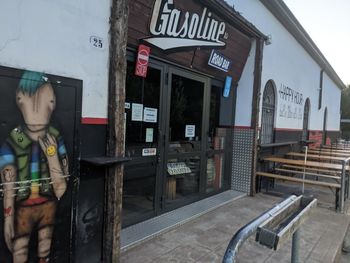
x=347, y=161
x=249, y=229
x=296, y=247
x=343, y=180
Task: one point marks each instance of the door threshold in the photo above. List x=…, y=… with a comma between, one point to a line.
x=141, y=232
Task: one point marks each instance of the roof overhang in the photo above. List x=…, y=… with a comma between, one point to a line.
x=233, y=17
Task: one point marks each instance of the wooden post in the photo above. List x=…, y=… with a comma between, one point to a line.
x=255, y=108
x=115, y=147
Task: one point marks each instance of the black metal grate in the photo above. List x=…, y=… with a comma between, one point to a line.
x=305, y=134
x=324, y=134
x=268, y=114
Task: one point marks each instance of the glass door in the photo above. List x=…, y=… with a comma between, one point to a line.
x=186, y=134
x=176, y=134
x=142, y=133
x=217, y=141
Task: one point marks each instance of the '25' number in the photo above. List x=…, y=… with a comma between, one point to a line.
x=96, y=42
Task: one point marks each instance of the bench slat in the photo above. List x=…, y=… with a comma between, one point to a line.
x=323, y=165
x=311, y=169
x=297, y=180
x=307, y=173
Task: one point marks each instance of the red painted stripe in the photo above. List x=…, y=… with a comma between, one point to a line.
x=99, y=121
x=287, y=129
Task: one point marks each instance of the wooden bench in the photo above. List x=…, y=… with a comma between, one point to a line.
x=319, y=170
x=313, y=164
x=319, y=157
x=333, y=150
x=308, y=173
x=298, y=180
x=336, y=186
x=328, y=153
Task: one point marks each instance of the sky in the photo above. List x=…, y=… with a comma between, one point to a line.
x=328, y=24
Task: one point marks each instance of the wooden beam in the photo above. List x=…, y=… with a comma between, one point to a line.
x=259, y=50
x=115, y=147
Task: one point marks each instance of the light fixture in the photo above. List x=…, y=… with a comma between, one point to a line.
x=268, y=41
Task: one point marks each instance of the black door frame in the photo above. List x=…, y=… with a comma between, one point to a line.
x=167, y=70
x=160, y=148
x=172, y=70
x=268, y=127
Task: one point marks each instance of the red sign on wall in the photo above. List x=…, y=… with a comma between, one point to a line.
x=142, y=61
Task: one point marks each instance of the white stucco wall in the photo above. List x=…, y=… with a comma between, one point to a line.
x=331, y=99
x=287, y=63
x=245, y=91
x=54, y=37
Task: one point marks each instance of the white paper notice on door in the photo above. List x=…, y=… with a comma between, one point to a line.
x=190, y=131
x=149, y=134
x=150, y=115
x=149, y=151
x=136, y=112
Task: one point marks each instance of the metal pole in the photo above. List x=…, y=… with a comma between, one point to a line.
x=344, y=170
x=342, y=190
x=305, y=159
x=296, y=247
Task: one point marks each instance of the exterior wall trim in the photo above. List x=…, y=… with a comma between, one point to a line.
x=100, y=121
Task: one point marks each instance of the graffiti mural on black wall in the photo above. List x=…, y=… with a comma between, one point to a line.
x=35, y=176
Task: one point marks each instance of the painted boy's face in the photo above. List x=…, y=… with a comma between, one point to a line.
x=37, y=109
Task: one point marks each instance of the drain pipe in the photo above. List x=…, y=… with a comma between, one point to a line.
x=245, y=232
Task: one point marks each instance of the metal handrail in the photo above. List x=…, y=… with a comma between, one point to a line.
x=249, y=229
x=278, y=144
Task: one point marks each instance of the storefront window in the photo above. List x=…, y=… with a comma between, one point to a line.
x=141, y=94
x=142, y=97
x=216, y=143
x=185, y=128
x=186, y=114
x=183, y=177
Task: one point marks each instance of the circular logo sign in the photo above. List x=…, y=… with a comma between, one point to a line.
x=143, y=57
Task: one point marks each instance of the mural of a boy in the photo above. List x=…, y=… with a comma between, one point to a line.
x=34, y=169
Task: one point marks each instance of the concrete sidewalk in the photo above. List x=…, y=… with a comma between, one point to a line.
x=205, y=239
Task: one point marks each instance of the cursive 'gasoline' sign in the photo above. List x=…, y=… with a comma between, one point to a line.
x=173, y=28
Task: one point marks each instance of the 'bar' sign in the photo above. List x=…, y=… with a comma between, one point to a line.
x=219, y=61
